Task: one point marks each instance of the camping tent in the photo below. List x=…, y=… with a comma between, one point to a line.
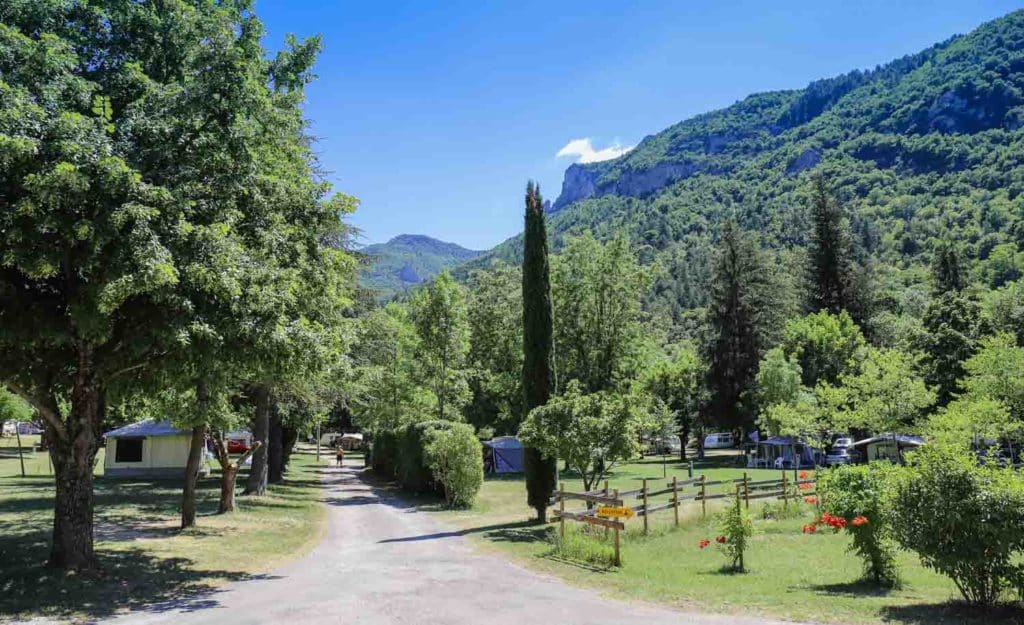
x=777, y=453
x=148, y=449
x=887, y=446
x=508, y=454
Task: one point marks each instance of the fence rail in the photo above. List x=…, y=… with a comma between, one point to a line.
x=679, y=491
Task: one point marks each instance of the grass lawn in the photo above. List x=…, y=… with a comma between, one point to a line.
x=791, y=575
x=145, y=558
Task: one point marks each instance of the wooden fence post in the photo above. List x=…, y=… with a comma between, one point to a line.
x=675, y=499
x=561, y=508
x=703, y=496
x=746, y=490
x=645, y=506
x=618, y=559
x=785, y=490
x=689, y=470
x=606, y=494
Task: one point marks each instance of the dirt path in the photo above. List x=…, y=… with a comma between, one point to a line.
x=382, y=563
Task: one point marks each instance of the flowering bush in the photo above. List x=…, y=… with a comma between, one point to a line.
x=859, y=499
x=963, y=520
x=737, y=528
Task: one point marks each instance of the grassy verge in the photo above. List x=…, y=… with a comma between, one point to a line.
x=146, y=560
x=791, y=575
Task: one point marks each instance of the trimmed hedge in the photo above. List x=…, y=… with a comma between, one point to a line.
x=399, y=454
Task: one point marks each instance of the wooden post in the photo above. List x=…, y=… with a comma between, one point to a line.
x=746, y=490
x=21, y=454
x=606, y=494
x=689, y=470
x=785, y=490
x=618, y=559
x=675, y=499
x=645, y=506
x=703, y=496
x=561, y=508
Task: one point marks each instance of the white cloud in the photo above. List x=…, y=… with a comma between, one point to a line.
x=584, y=151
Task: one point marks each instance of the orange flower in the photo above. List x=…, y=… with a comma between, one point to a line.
x=807, y=486
x=704, y=542
x=803, y=475
x=811, y=500
x=859, y=520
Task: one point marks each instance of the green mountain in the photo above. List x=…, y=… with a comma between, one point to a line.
x=407, y=260
x=926, y=147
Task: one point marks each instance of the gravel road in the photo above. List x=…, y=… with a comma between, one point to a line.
x=382, y=563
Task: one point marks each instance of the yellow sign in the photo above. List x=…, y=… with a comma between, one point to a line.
x=611, y=512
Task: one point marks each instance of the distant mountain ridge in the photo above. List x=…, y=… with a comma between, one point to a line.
x=407, y=260
x=927, y=147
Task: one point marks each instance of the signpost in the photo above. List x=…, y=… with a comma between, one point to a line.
x=615, y=512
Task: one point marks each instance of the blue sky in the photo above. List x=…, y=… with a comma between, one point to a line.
x=435, y=114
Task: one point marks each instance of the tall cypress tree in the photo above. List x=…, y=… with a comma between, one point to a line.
x=947, y=271
x=736, y=342
x=832, y=280
x=538, y=377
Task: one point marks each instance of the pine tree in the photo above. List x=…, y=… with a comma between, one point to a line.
x=736, y=340
x=947, y=270
x=538, y=377
x=833, y=282
x=952, y=321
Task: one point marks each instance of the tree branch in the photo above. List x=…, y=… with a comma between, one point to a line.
x=46, y=412
x=245, y=456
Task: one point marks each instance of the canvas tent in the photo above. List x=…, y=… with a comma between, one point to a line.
x=777, y=452
x=148, y=449
x=887, y=446
x=507, y=454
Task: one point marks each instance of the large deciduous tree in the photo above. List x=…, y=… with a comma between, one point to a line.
x=439, y=316
x=538, y=342
x=148, y=160
x=678, y=384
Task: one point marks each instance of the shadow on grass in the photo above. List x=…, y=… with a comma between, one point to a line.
x=953, y=613
x=859, y=588
x=130, y=579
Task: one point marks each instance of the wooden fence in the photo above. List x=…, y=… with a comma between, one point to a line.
x=679, y=491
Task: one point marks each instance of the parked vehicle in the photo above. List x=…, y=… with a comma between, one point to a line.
x=237, y=446
x=842, y=441
x=666, y=446
x=719, y=440
x=841, y=455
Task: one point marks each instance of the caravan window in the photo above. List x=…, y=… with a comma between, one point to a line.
x=128, y=450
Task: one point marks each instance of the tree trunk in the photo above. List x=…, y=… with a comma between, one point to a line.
x=73, y=452
x=227, y=489
x=195, y=458
x=275, y=451
x=683, y=438
x=257, y=484
x=289, y=436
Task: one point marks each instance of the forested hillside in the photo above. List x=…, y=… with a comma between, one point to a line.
x=925, y=148
x=408, y=260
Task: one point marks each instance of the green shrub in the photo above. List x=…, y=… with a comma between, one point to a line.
x=963, y=520
x=736, y=529
x=862, y=496
x=455, y=458
x=382, y=453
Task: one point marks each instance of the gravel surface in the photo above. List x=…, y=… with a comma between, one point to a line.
x=381, y=562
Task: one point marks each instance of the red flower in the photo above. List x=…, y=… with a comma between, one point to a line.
x=809, y=528
x=807, y=486
x=860, y=520
x=704, y=542
x=811, y=500
x=721, y=540
x=803, y=475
